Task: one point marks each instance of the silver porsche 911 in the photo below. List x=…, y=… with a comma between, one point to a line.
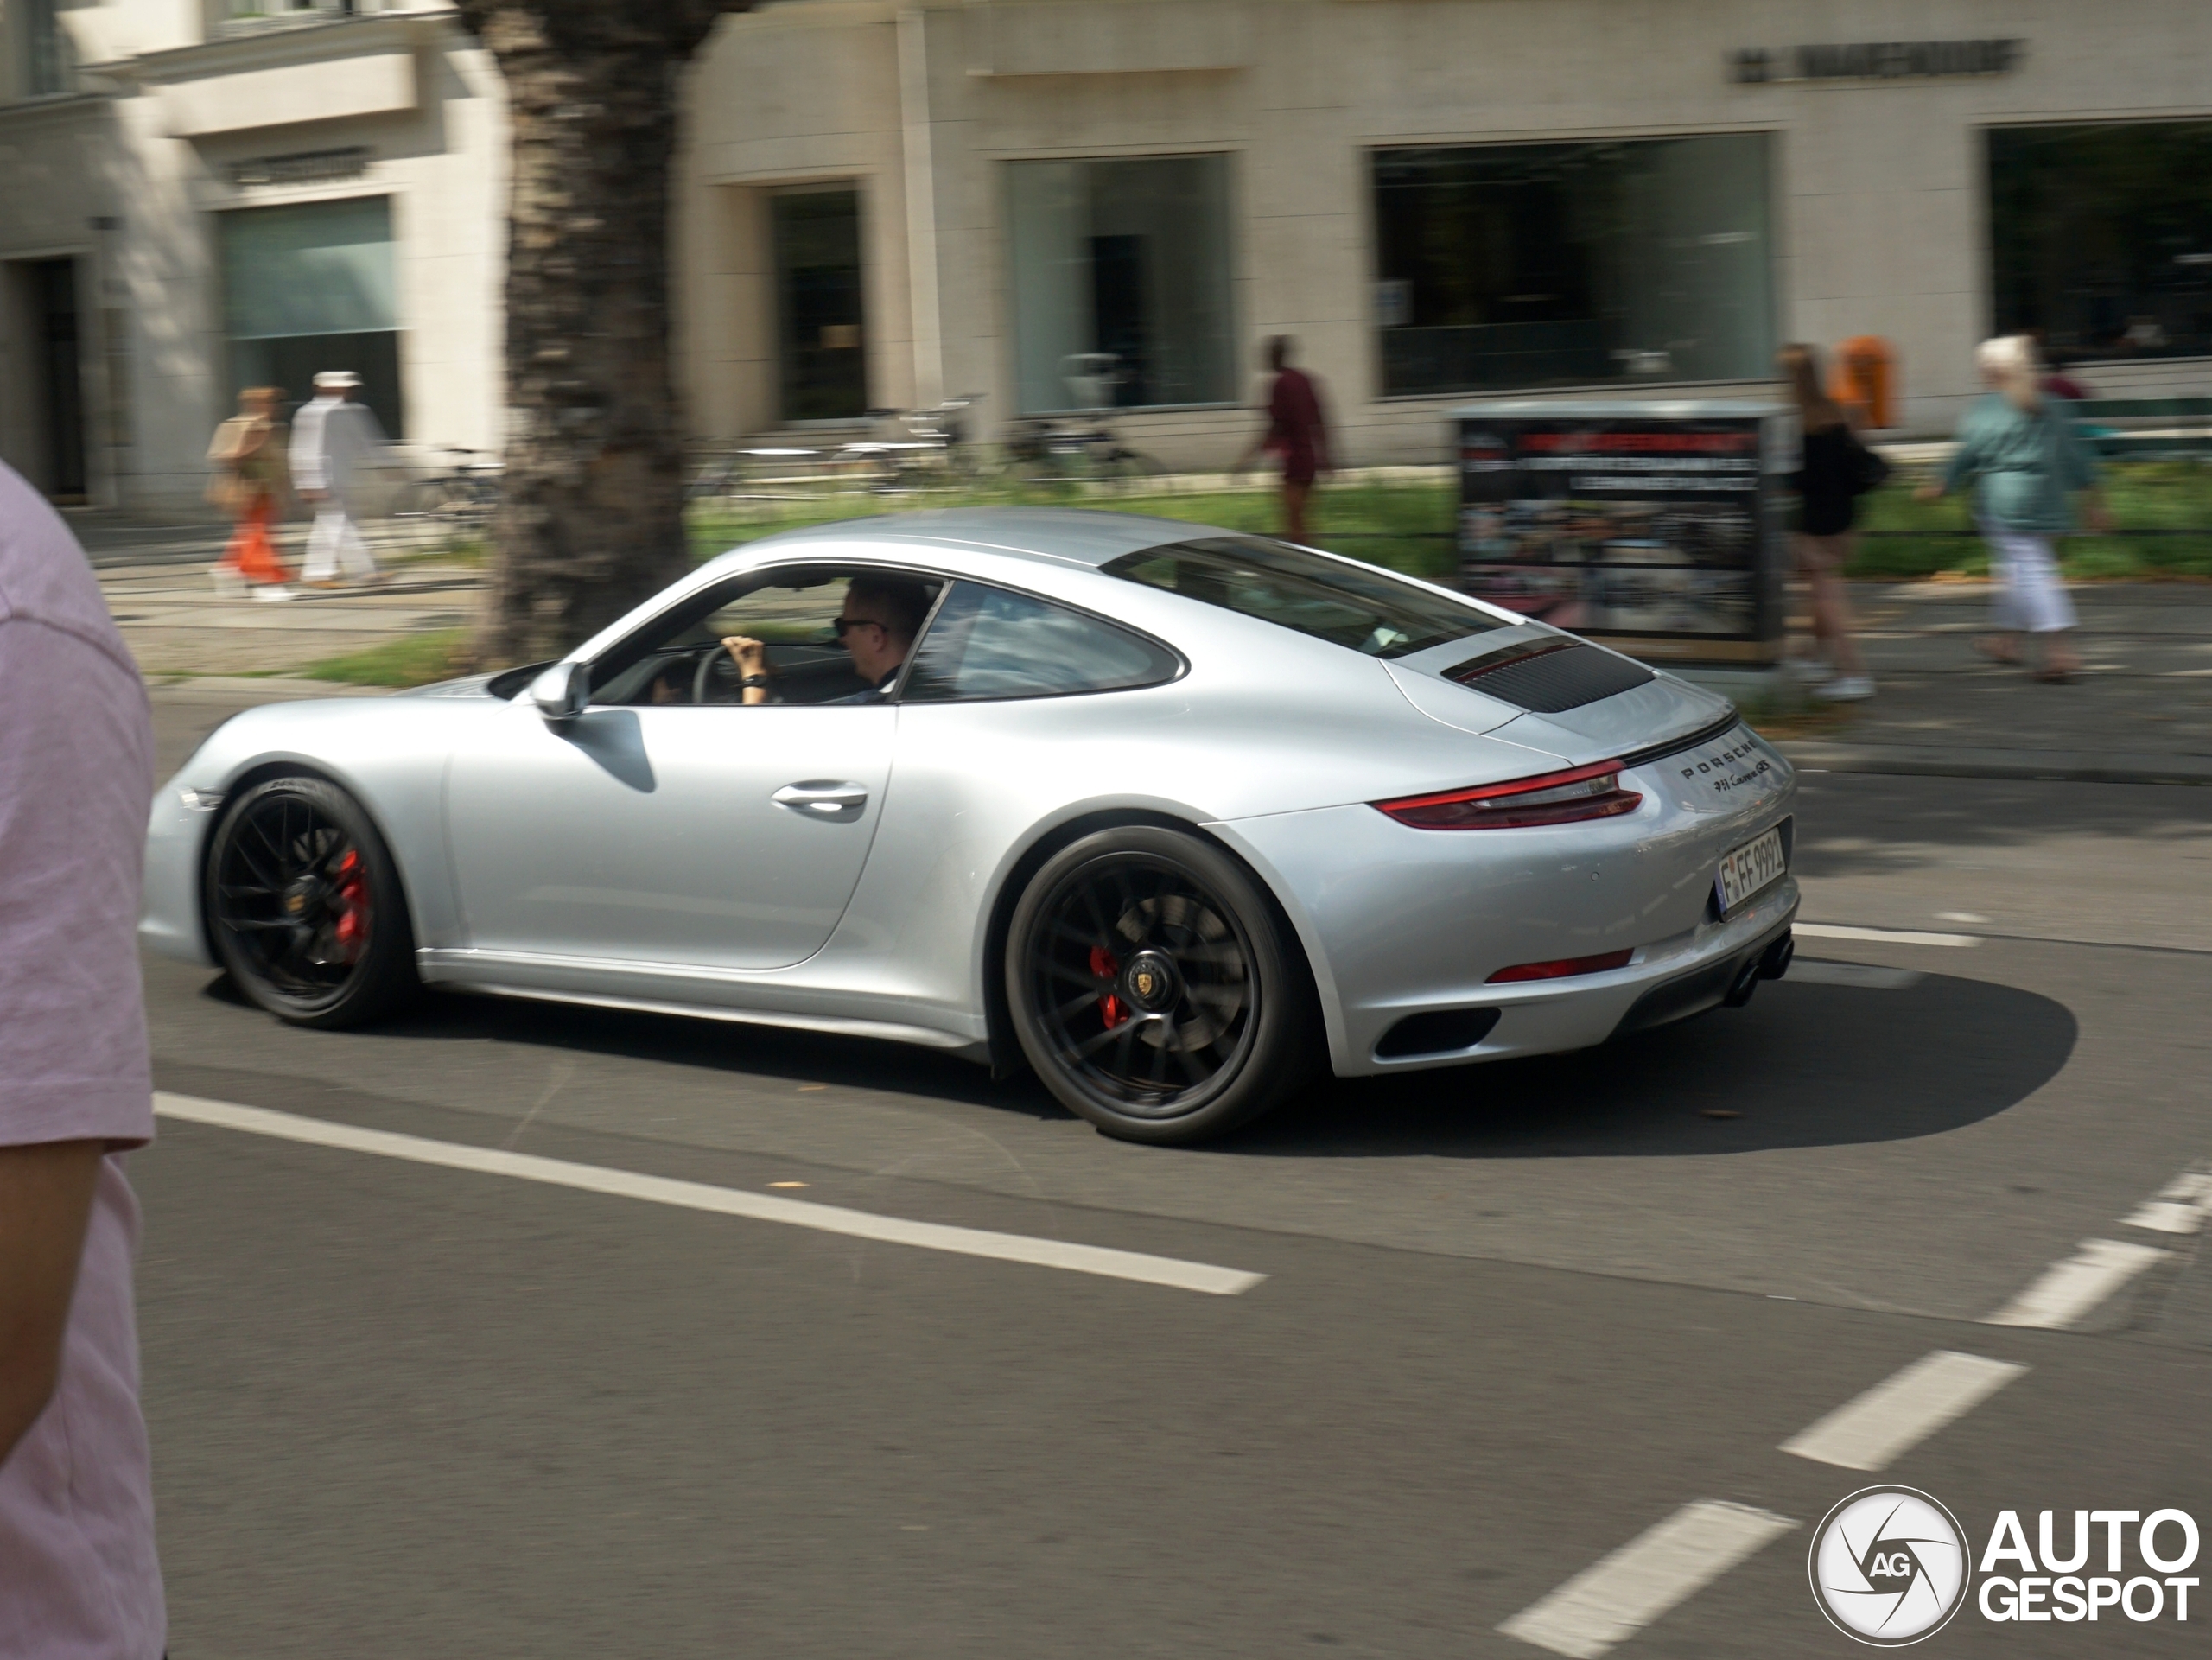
x=1172, y=814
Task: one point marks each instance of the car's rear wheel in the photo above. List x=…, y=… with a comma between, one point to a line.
x=1154, y=990
x=304, y=905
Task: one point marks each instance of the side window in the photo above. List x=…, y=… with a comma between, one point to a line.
x=987, y=643
x=679, y=658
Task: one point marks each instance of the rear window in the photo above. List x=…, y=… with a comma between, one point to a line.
x=987, y=643
x=1357, y=605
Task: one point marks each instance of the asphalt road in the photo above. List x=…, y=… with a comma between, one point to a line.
x=1513, y=1316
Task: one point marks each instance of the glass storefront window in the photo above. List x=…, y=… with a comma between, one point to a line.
x=310, y=288
x=1522, y=265
x=821, y=350
x=1121, y=283
x=2101, y=237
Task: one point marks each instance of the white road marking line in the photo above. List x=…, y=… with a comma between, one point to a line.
x=2070, y=1290
x=2179, y=1207
x=2164, y=1215
x=1903, y=1411
x=1813, y=971
x=701, y=1196
x=1613, y=1600
x=1887, y=936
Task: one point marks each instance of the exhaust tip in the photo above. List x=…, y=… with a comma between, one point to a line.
x=1779, y=956
x=1745, y=983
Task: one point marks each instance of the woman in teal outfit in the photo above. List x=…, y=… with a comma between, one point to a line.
x=2018, y=444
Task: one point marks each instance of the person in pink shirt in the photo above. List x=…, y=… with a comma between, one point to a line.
x=79, y=1578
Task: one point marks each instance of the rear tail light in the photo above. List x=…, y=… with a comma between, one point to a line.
x=1551, y=799
x=1562, y=968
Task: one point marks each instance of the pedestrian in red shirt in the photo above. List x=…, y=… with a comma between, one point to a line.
x=1296, y=430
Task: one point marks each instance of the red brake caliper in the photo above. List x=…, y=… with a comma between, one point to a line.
x=352, y=885
x=1105, y=966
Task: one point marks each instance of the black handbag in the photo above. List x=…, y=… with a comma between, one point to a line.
x=1868, y=470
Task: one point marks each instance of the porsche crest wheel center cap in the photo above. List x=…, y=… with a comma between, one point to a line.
x=296, y=898
x=1149, y=981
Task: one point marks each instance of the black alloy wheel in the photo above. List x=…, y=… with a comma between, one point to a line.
x=1152, y=987
x=304, y=905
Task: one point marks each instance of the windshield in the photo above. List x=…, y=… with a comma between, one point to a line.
x=1357, y=605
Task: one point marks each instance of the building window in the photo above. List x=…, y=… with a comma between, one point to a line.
x=246, y=14
x=1121, y=283
x=310, y=288
x=821, y=348
x=2101, y=237
x=1523, y=265
x=45, y=52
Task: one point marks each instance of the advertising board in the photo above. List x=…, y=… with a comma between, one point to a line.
x=1658, y=523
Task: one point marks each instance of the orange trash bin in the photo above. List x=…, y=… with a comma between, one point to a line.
x=1867, y=380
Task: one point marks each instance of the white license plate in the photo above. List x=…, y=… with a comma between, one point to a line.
x=1749, y=868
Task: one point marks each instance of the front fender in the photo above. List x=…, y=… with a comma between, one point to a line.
x=390, y=754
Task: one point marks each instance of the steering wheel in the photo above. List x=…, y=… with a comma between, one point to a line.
x=717, y=679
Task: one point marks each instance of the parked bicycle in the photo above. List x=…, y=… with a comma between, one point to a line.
x=451, y=504
x=935, y=450
x=762, y=472
x=1041, y=449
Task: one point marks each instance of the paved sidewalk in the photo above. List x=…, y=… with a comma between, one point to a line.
x=157, y=581
x=2141, y=711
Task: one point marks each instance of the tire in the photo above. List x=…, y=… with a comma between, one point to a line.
x=1154, y=988
x=304, y=906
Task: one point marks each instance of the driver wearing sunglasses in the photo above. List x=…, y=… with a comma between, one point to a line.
x=877, y=625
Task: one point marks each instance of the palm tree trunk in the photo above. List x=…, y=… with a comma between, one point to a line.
x=591, y=513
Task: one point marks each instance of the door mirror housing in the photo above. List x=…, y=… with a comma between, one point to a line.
x=562, y=692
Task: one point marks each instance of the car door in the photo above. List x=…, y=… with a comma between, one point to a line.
x=656, y=831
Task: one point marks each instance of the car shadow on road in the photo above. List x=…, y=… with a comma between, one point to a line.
x=1805, y=1065
x=737, y=1047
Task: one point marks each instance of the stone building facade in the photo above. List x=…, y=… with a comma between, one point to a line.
x=1059, y=203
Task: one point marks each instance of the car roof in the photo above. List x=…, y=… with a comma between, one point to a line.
x=1065, y=534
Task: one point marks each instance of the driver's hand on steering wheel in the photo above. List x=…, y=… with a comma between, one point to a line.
x=752, y=660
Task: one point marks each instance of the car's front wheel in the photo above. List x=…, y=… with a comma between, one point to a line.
x=1154, y=990
x=304, y=905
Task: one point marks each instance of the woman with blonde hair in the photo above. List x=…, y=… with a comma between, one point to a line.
x=2019, y=446
x=1834, y=471
x=250, y=473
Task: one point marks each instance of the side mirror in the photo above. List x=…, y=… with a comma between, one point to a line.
x=563, y=691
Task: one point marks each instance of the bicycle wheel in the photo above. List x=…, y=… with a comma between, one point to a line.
x=417, y=522
x=1122, y=468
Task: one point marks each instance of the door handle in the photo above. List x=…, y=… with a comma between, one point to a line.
x=818, y=798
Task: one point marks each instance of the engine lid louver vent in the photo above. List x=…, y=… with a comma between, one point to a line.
x=1548, y=676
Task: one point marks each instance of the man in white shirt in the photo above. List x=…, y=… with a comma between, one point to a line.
x=334, y=440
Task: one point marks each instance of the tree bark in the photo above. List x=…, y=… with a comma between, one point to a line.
x=591, y=511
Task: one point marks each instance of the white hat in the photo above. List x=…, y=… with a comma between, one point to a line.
x=331, y=379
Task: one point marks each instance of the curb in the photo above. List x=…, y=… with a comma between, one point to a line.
x=271, y=688
x=2064, y=766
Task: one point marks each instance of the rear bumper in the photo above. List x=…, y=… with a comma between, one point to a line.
x=1547, y=1017
x=1399, y=923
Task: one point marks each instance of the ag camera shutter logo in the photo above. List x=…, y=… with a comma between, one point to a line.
x=1888, y=1566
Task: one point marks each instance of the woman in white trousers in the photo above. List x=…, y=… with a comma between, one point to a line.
x=2019, y=446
